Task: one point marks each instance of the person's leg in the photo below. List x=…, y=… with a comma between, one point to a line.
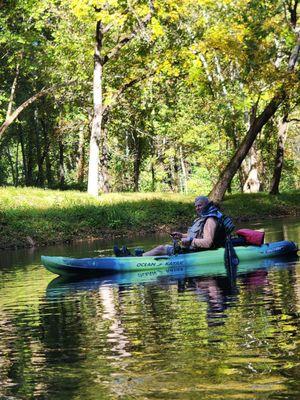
x=157, y=251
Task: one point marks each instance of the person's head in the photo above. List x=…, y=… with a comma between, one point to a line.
x=200, y=203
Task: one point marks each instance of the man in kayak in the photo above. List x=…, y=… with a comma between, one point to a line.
x=205, y=233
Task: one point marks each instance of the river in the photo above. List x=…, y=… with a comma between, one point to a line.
x=175, y=337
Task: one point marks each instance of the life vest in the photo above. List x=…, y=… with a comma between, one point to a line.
x=224, y=226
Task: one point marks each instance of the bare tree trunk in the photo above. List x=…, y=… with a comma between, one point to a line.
x=94, y=159
x=282, y=134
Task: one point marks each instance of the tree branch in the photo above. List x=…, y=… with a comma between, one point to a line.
x=293, y=12
x=127, y=38
x=126, y=86
x=293, y=120
x=11, y=118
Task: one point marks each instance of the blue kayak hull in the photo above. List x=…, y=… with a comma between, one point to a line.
x=209, y=260
x=64, y=285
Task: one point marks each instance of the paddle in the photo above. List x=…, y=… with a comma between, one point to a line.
x=231, y=259
x=176, y=246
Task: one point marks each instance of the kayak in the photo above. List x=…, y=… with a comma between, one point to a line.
x=209, y=260
x=62, y=285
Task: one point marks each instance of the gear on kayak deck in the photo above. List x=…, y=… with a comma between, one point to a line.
x=125, y=252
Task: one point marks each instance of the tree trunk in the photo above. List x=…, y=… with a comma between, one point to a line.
x=173, y=174
x=282, y=134
x=40, y=176
x=103, y=171
x=30, y=156
x=61, y=164
x=49, y=174
x=252, y=184
x=23, y=150
x=241, y=170
x=137, y=163
x=94, y=159
x=17, y=164
x=11, y=163
x=153, y=177
x=230, y=170
x=45, y=155
x=80, y=158
x=184, y=172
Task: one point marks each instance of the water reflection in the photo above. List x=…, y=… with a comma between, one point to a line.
x=157, y=335
x=172, y=335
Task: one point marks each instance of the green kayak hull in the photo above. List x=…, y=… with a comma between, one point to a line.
x=211, y=261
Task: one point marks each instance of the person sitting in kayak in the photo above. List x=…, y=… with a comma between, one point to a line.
x=205, y=233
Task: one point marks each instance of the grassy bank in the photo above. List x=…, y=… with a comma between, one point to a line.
x=40, y=217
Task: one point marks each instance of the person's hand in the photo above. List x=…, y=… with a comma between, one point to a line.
x=176, y=235
x=186, y=242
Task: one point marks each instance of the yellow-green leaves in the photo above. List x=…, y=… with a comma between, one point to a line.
x=157, y=28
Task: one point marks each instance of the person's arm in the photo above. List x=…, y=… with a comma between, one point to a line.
x=207, y=239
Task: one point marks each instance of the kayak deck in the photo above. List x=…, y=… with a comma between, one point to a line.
x=210, y=260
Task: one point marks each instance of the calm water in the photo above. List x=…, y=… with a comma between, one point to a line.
x=179, y=337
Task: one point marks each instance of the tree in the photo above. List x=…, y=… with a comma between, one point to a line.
x=288, y=83
x=116, y=27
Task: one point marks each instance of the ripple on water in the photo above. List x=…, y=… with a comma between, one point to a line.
x=194, y=337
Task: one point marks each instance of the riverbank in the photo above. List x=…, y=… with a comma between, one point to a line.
x=36, y=217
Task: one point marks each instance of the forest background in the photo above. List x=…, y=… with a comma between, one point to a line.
x=159, y=95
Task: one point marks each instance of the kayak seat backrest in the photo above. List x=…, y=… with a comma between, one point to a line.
x=255, y=238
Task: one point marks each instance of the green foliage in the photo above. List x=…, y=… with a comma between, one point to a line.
x=201, y=67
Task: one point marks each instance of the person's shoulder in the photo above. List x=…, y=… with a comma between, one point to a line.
x=212, y=219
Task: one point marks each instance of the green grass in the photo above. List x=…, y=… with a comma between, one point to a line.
x=48, y=216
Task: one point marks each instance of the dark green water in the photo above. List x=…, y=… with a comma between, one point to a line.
x=170, y=338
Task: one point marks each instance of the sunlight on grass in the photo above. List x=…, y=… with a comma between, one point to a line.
x=49, y=216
